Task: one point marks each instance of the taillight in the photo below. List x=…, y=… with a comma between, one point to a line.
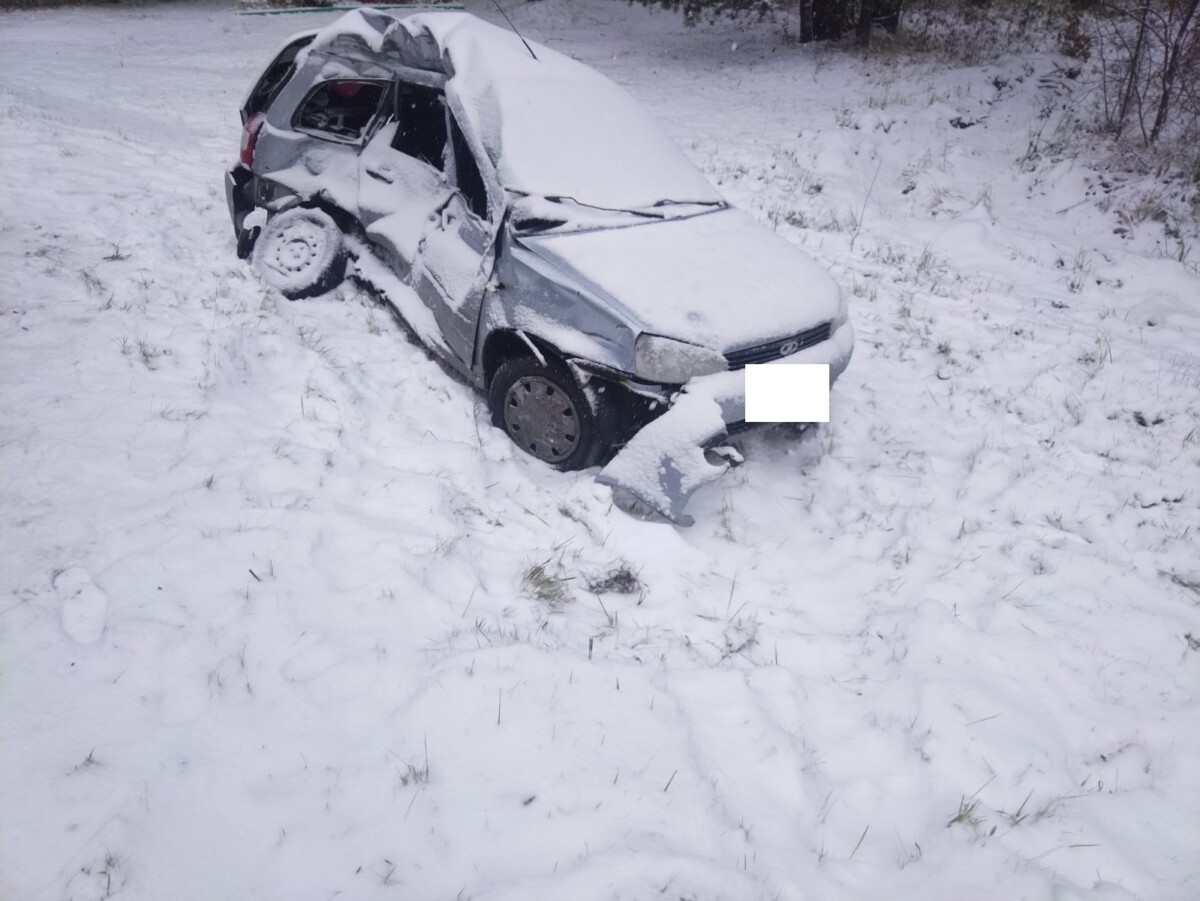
x=250, y=138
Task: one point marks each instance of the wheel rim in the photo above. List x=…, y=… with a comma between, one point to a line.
x=539, y=416
x=297, y=248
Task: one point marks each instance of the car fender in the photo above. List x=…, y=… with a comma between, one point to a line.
x=528, y=295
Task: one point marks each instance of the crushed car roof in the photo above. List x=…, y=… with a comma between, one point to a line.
x=550, y=126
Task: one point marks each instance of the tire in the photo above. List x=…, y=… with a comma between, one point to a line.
x=545, y=413
x=300, y=253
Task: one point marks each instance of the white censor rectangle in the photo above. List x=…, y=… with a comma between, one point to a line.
x=787, y=392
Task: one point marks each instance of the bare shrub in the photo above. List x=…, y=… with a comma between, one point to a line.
x=1149, y=57
x=975, y=32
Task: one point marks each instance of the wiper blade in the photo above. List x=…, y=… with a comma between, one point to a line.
x=659, y=203
x=534, y=224
x=556, y=198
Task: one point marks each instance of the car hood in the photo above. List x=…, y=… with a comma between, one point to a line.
x=717, y=279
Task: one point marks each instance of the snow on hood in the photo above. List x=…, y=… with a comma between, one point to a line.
x=717, y=279
x=550, y=126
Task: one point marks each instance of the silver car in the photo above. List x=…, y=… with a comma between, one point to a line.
x=537, y=231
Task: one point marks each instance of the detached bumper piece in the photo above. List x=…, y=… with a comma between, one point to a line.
x=239, y=194
x=664, y=464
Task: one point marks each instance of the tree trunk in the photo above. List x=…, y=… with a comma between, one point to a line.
x=806, y=21
x=866, y=19
x=889, y=15
x=1170, y=70
x=1135, y=65
x=828, y=19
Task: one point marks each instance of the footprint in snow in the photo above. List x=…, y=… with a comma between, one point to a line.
x=84, y=606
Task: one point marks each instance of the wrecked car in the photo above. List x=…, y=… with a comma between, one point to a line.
x=538, y=232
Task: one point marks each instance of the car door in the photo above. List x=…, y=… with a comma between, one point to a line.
x=400, y=180
x=457, y=252
x=338, y=113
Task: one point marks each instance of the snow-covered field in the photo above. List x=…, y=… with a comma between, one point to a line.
x=283, y=616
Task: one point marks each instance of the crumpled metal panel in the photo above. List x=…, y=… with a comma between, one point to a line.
x=664, y=464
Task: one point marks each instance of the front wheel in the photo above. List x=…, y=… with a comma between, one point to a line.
x=543, y=410
x=300, y=253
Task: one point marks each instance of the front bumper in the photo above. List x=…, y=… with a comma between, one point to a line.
x=664, y=464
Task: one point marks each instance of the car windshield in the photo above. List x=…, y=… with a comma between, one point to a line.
x=585, y=145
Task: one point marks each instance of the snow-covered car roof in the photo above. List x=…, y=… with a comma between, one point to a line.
x=550, y=126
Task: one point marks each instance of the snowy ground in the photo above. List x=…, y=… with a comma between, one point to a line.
x=282, y=616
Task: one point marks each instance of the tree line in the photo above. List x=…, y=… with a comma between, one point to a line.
x=820, y=20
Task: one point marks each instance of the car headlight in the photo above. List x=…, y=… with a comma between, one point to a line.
x=843, y=313
x=659, y=359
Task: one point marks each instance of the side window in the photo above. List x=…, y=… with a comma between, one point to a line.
x=421, y=113
x=341, y=108
x=276, y=76
x=470, y=182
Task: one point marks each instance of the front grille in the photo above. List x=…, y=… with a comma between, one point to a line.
x=773, y=350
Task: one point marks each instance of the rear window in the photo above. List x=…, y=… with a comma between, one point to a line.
x=340, y=109
x=277, y=75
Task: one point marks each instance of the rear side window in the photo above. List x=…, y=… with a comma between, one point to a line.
x=421, y=113
x=277, y=75
x=340, y=109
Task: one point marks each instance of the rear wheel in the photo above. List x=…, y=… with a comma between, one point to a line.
x=545, y=413
x=300, y=253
